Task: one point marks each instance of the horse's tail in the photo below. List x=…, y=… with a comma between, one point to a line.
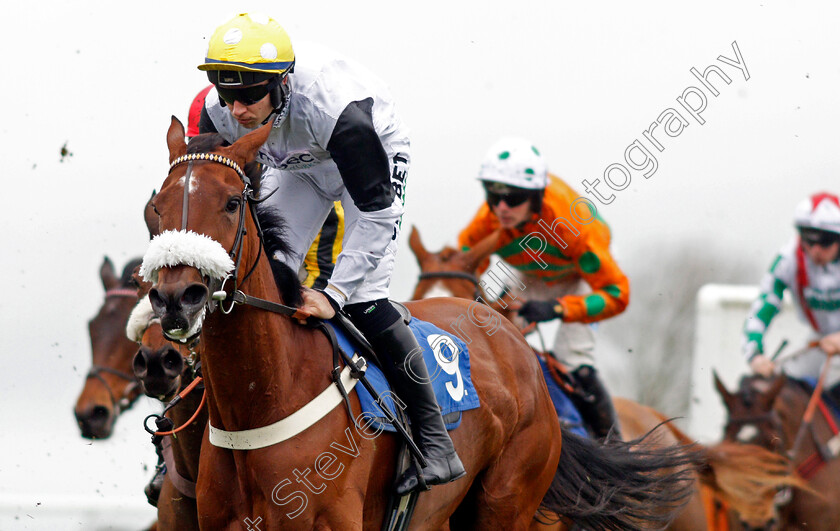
x=747, y=477
x=620, y=485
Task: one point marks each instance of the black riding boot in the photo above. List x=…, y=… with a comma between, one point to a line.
x=410, y=379
x=596, y=404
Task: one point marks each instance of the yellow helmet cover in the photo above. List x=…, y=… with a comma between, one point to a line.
x=250, y=43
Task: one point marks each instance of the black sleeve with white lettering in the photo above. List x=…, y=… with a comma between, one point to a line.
x=205, y=124
x=357, y=151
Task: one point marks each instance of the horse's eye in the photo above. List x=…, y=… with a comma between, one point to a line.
x=232, y=205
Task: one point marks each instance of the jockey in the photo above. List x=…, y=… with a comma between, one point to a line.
x=336, y=136
x=314, y=273
x=573, y=278
x=320, y=258
x=809, y=265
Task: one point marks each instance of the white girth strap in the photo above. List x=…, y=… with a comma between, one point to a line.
x=288, y=427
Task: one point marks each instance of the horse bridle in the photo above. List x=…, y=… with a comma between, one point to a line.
x=773, y=418
x=124, y=400
x=248, y=197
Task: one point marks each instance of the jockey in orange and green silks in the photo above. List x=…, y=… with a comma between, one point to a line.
x=587, y=255
x=559, y=247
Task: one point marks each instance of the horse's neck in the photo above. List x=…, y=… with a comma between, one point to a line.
x=790, y=406
x=187, y=445
x=254, y=361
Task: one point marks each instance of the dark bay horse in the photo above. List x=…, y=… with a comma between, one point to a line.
x=769, y=412
x=261, y=367
x=110, y=386
x=741, y=478
x=155, y=367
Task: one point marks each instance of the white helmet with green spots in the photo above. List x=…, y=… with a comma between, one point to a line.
x=514, y=162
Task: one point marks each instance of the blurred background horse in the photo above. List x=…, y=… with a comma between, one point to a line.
x=110, y=386
x=736, y=486
x=771, y=413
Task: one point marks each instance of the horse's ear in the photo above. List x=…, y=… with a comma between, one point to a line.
x=143, y=287
x=175, y=139
x=473, y=258
x=721, y=389
x=769, y=396
x=417, y=247
x=151, y=217
x=245, y=149
x=106, y=273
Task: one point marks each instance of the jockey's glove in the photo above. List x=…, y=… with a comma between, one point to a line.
x=539, y=311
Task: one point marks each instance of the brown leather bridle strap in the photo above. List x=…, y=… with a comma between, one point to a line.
x=126, y=396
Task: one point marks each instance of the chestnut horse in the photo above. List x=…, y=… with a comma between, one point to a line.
x=741, y=477
x=261, y=366
x=769, y=412
x=165, y=368
x=110, y=386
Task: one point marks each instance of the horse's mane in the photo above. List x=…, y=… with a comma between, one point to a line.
x=274, y=239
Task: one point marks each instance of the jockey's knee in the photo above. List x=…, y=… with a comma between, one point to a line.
x=372, y=317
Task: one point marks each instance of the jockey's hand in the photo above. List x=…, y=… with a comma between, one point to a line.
x=762, y=365
x=315, y=304
x=831, y=343
x=539, y=311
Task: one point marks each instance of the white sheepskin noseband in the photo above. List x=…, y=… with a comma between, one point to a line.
x=171, y=248
x=142, y=316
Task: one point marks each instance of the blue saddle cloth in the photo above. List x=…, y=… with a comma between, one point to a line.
x=566, y=410
x=448, y=362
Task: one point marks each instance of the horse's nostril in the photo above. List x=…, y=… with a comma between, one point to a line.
x=139, y=365
x=99, y=413
x=173, y=361
x=158, y=302
x=194, y=295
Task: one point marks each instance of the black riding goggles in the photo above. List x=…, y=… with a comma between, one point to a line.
x=245, y=96
x=511, y=195
x=818, y=237
x=512, y=200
